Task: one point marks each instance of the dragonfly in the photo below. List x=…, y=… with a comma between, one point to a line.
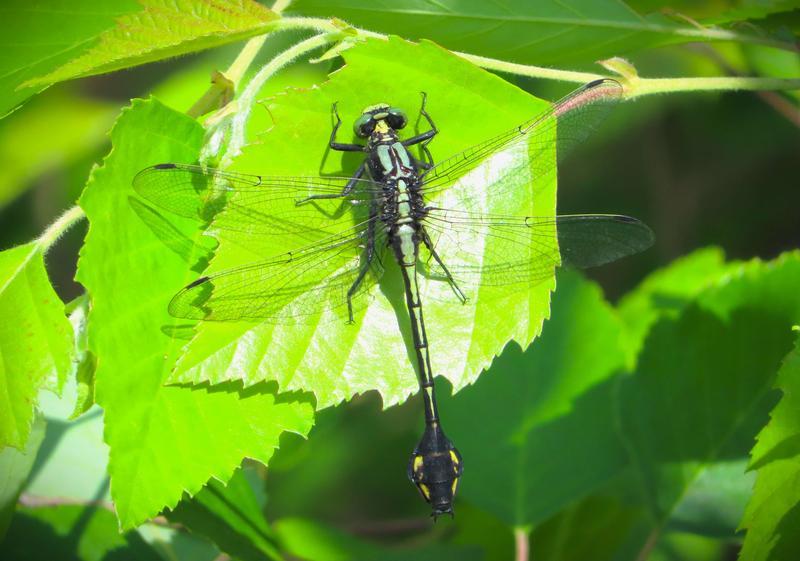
x=419, y=212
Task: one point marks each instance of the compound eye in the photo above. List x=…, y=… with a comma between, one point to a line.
x=397, y=119
x=364, y=125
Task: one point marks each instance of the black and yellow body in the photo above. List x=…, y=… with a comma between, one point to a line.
x=435, y=465
x=435, y=468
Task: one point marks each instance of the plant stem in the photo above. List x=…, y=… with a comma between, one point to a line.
x=57, y=229
x=521, y=544
x=223, y=86
x=247, y=99
x=528, y=70
x=647, y=86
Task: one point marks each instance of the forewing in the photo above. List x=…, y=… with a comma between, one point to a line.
x=254, y=204
x=295, y=287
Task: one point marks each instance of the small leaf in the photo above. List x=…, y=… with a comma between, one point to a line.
x=165, y=29
x=35, y=340
x=164, y=441
x=773, y=514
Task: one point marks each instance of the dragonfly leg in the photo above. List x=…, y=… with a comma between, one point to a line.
x=369, y=256
x=344, y=192
x=426, y=137
x=429, y=244
x=341, y=147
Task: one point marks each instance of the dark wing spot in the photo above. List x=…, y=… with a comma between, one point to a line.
x=164, y=166
x=201, y=280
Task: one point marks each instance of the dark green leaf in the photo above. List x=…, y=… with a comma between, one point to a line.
x=231, y=517
x=536, y=431
x=773, y=514
x=540, y=33
x=311, y=541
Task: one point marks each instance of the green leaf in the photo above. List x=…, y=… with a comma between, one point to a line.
x=544, y=414
x=337, y=360
x=540, y=33
x=35, y=340
x=163, y=440
x=15, y=465
x=563, y=420
x=231, y=517
x=35, y=39
x=668, y=291
x=773, y=513
x=164, y=29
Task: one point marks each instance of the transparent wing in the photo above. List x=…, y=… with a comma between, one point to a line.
x=290, y=288
x=255, y=204
x=520, y=251
x=570, y=121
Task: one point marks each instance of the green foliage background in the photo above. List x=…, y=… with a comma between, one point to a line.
x=653, y=417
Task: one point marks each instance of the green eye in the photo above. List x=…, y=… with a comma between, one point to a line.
x=363, y=125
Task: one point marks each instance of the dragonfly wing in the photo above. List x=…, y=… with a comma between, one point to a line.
x=520, y=251
x=590, y=240
x=255, y=204
x=290, y=288
x=570, y=121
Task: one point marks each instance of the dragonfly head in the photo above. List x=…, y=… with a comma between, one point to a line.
x=377, y=117
x=435, y=467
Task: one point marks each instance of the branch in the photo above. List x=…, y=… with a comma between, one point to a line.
x=58, y=228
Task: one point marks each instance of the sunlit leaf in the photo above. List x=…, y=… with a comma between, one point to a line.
x=184, y=436
x=336, y=360
x=164, y=29
x=35, y=340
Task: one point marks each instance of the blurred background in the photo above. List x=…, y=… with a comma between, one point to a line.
x=700, y=169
